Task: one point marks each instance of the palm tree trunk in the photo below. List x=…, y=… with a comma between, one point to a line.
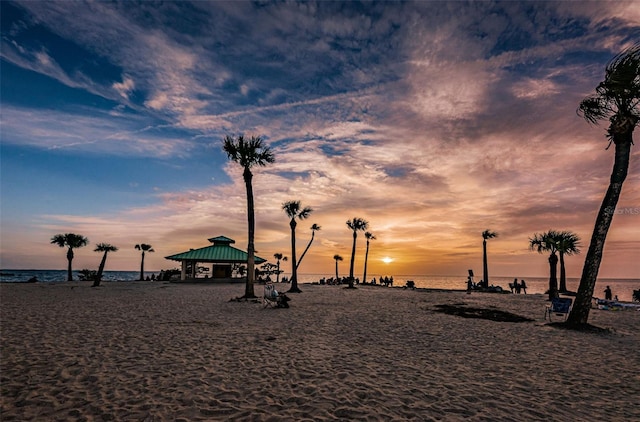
x=294, y=268
x=142, y=267
x=366, y=258
x=336, y=270
x=580, y=312
x=553, y=276
x=353, y=259
x=306, y=249
x=251, y=222
x=563, y=275
x=69, y=268
x=98, y=278
x=278, y=273
x=485, y=266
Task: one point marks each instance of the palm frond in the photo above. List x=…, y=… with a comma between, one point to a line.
x=619, y=92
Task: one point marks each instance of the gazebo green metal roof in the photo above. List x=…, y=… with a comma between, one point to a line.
x=220, y=252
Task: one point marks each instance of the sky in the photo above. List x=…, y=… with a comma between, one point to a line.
x=433, y=121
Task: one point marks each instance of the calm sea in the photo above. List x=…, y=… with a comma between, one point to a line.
x=21, y=276
x=623, y=288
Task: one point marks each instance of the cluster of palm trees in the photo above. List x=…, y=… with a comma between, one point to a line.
x=616, y=99
x=73, y=241
x=556, y=243
x=356, y=224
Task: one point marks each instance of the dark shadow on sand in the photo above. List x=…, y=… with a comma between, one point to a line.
x=481, y=313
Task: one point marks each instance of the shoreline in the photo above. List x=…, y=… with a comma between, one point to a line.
x=167, y=351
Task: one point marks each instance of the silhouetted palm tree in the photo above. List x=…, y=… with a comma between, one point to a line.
x=337, y=258
x=487, y=234
x=249, y=153
x=369, y=237
x=294, y=211
x=71, y=241
x=314, y=229
x=355, y=224
x=616, y=99
x=568, y=243
x=144, y=248
x=548, y=242
x=279, y=257
x=106, y=248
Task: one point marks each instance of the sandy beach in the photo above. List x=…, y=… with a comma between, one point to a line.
x=148, y=351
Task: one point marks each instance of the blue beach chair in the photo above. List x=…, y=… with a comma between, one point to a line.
x=559, y=306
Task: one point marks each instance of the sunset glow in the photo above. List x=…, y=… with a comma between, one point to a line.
x=433, y=121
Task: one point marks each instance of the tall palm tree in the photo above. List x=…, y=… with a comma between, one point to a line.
x=487, y=234
x=568, y=244
x=144, y=248
x=314, y=229
x=337, y=258
x=617, y=99
x=548, y=242
x=279, y=257
x=369, y=237
x=71, y=241
x=106, y=248
x=294, y=211
x=355, y=224
x=249, y=153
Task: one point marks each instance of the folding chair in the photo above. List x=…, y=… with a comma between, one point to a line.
x=270, y=296
x=559, y=306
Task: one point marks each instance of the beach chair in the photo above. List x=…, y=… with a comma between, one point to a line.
x=270, y=296
x=274, y=299
x=560, y=306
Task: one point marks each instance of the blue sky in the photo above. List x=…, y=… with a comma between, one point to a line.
x=432, y=120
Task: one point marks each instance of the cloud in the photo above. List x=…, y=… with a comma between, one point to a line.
x=93, y=134
x=124, y=87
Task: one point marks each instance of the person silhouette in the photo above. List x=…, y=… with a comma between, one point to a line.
x=607, y=293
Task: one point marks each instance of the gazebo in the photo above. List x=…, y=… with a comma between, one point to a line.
x=221, y=254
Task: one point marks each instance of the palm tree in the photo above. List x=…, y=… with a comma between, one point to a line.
x=616, y=98
x=355, y=224
x=294, y=210
x=144, y=248
x=314, y=229
x=487, y=234
x=106, y=248
x=369, y=237
x=337, y=258
x=568, y=243
x=279, y=257
x=548, y=242
x=71, y=241
x=248, y=153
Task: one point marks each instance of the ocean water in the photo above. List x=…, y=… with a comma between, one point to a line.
x=50, y=276
x=623, y=288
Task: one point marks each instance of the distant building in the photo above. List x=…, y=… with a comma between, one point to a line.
x=220, y=254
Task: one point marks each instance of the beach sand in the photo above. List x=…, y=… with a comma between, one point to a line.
x=150, y=351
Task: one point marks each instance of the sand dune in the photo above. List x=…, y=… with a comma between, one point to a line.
x=166, y=352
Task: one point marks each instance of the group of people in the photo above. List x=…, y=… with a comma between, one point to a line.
x=518, y=287
x=384, y=281
x=333, y=281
